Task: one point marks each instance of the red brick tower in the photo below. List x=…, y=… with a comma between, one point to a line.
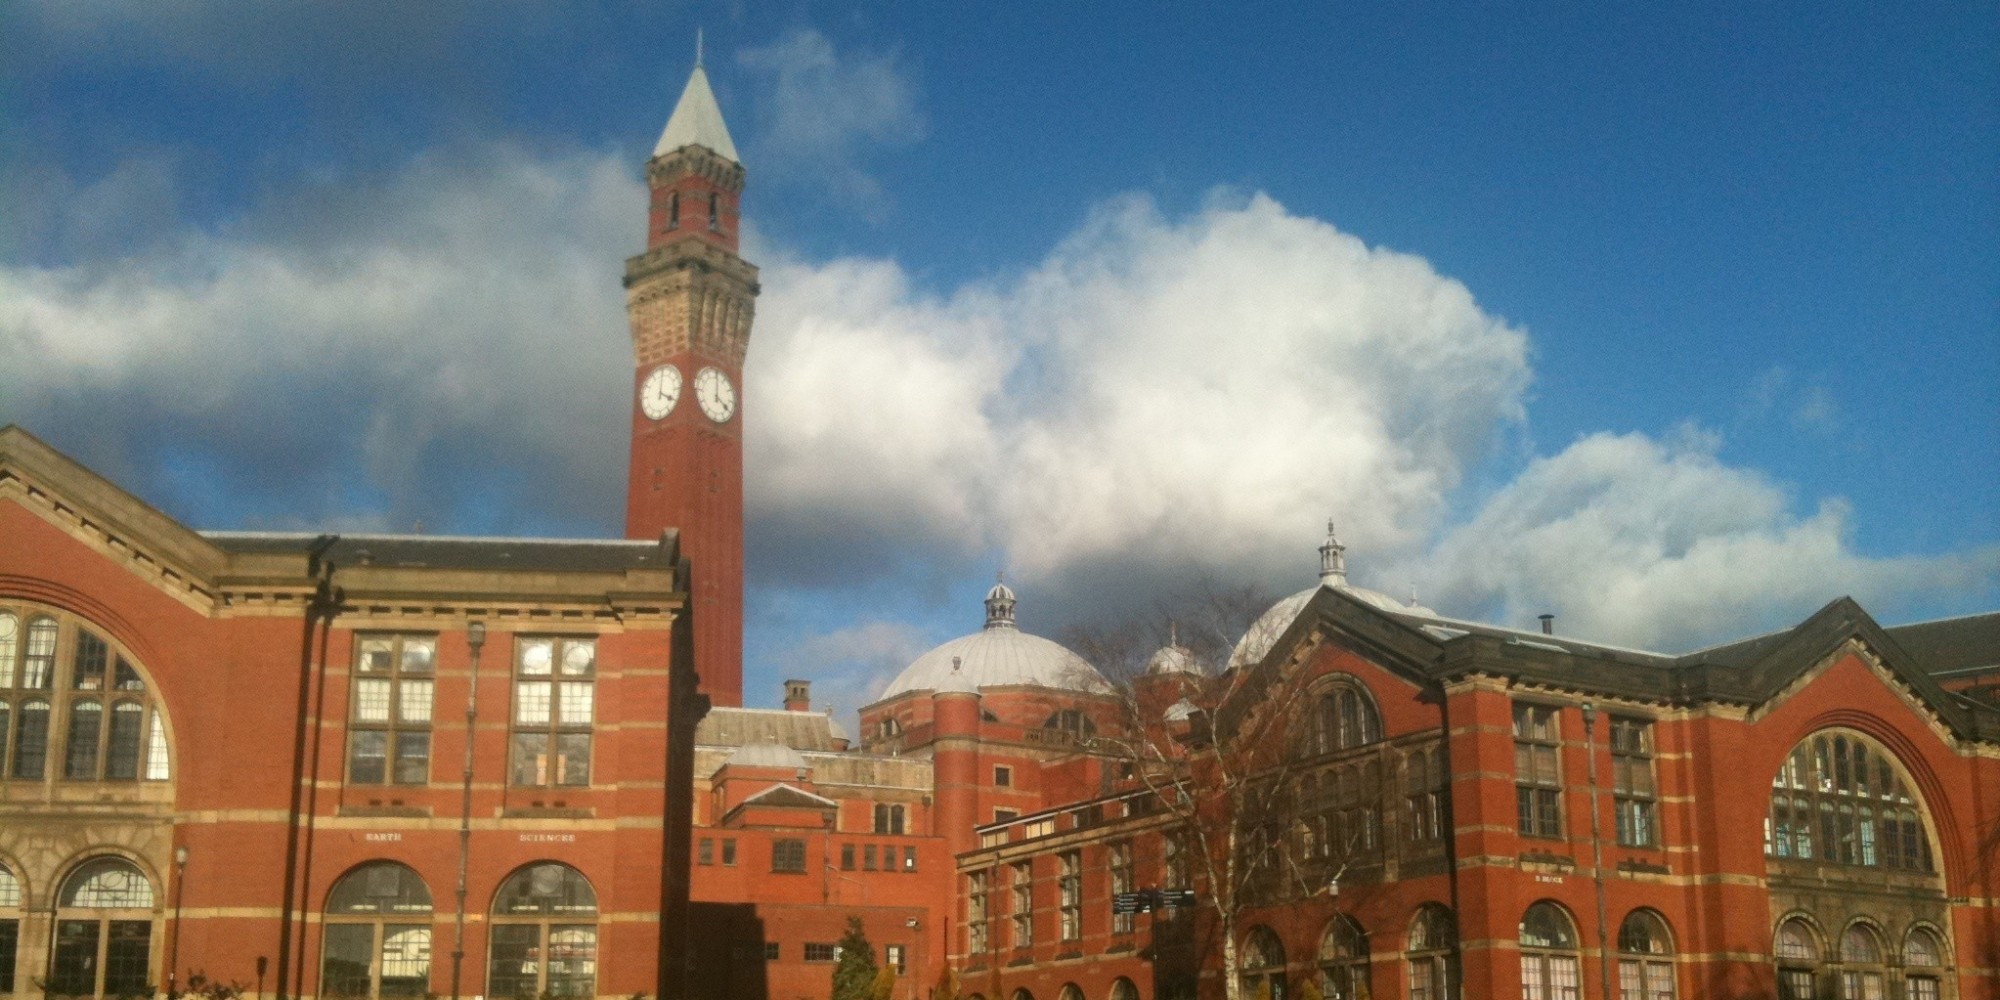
x=690, y=299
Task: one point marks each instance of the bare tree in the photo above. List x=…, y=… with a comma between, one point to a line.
x=1225, y=755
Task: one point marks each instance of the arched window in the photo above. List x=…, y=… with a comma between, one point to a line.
x=378, y=934
x=1797, y=952
x=1343, y=961
x=104, y=931
x=1923, y=965
x=1840, y=798
x=1862, y=976
x=1263, y=963
x=1645, y=958
x=1549, y=968
x=544, y=939
x=1122, y=989
x=1023, y=994
x=1070, y=991
x=61, y=680
x=10, y=926
x=1342, y=719
x=1432, y=954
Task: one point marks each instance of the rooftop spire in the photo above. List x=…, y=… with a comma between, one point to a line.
x=1000, y=603
x=697, y=121
x=1332, y=559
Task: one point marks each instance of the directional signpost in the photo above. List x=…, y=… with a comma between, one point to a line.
x=1148, y=900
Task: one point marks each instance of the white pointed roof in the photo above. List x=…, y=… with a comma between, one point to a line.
x=697, y=121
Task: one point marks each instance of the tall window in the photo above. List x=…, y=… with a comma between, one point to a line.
x=1423, y=794
x=544, y=938
x=1861, y=973
x=1343, y=961
x=714, y=213
x=1797, y=952
x=788, y=855
x=1645, y=958
x=1118, y=857
x=61, y=680
x=1923, y=965
x=1839, y=798
x=389, y=732
x=1340, y=720
x=1432, y=954
x=1069, y=893
x=673, y=210
x=888, y=818
x=1123, y=989
x=10, y=927
x=977, y=885
x=1263, y=964
x=1024, y=904
x=378, y=934
x=1549, y=955
x=1633, y=791
x=554, y=705
x=1537, y=777
x=104, y=931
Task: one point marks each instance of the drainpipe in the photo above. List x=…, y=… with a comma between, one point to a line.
x=1604, y=949
x=321, y=608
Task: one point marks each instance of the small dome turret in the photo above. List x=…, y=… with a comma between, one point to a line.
x=1174, y=658
x=767, y=754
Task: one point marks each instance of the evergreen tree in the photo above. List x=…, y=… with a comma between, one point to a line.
x=947, y=985
x=885, y=984
x=854, y=974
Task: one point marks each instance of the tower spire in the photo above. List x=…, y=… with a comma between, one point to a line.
x=697, y=120
x=697, y=47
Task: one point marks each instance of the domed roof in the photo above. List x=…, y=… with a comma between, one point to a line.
x=1264, y=632
x=1174, y=658
x=999, y=654
x=1180, y=711
x=834, y=730
x=767, y=754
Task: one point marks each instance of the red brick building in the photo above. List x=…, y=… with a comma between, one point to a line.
x=372, y=766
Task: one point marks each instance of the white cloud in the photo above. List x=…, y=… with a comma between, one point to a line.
x=1659, y=544
x=850, y=667
x=822, y=107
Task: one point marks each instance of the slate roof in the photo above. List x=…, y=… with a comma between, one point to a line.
x=553, y=555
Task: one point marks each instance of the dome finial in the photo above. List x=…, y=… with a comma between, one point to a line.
x=1174, y=633
x=1332, y=559
x=1000, y=603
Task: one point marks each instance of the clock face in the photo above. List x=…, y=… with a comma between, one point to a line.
x=716, y=396
x=660, y=392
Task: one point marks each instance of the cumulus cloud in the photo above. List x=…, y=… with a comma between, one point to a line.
x=822, y=108
x=429, y=348
x=1659, y=544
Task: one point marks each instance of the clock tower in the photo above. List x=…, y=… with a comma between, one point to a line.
x=689, y=298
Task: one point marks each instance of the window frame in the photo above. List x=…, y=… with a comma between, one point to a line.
x=571, y=908
x=553, y=768
x=1635, y=787
x=67, y=690
x=1538, y=785
x=395, y=729
x=1069, y=895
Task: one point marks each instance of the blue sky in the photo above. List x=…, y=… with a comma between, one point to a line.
x=1674, y=320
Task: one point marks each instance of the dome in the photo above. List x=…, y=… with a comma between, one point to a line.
x=766, y=754
x=834, y=730
x=1180, y=711
x=1264, y=632
x=999, y=654
x=1174, y=658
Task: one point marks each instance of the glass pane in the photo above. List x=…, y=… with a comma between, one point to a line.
x=579, y=657
x=418, y=655
x=126, y=954
x=87, y=670
x=156, y=751
x=572, y=961
x=31, y=740
x=10, y=943
x=108, y=883
x=531, y=758
x=531, y=703
x=537, y=657
x=75, y=969
x=515, y=961
x=382, y=887
x=86, y=721
x=344, y=970
x=368, y=757
x=573, y=759
x=546, y=888
x=39, y=669
x=121, y=761
x=377, y=656
x=128, y=678
x=576, y=704
x=10, y=640
x=413, y=758
x=371, y=699
x=10, y=895
x=6, y=729
x=406, y=960
x=415, y=704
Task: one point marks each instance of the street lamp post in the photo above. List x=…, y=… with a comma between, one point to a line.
x=174, y=949
x=475, y=639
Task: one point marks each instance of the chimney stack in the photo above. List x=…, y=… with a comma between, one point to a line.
x=798, y=696
x=1548, y=624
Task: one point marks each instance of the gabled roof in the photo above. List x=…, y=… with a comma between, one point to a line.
x=1427, y=650
x=697, y=121
x=735, y=727
x=789, y=797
